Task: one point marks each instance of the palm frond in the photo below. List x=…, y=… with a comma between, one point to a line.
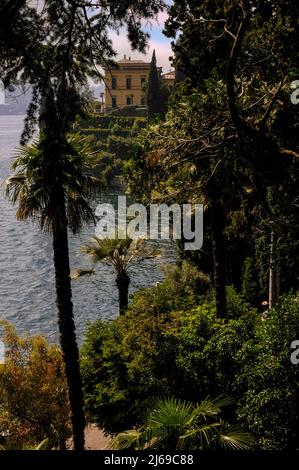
x=81, y=272
x=128, y=440
x=37, y=176
x=44, y=445
x=119, y=252
x=222, y=401
x=78, y=212
x=169, y=412
x=200, y=437
x=173, y=423
x=236, y=440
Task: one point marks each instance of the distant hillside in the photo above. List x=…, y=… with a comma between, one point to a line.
x=18, y=101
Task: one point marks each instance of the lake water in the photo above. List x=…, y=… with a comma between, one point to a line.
x=27, y=296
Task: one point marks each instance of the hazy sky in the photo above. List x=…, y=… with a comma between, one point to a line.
x=158, y=42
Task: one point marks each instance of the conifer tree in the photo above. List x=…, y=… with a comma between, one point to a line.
x=156, y=95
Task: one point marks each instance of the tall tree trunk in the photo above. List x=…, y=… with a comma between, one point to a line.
x=219, y=260
x=273, y=274
x=123, y=282
x=67, y=331
x=66, y=324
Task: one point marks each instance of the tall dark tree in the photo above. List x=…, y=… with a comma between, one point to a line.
x=230, y=46
x=58, y=200
x=218, y=252
x=229, y=139
x=156, y=94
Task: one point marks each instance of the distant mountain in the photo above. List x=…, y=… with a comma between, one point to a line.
x=17, y=102
x=97, y=90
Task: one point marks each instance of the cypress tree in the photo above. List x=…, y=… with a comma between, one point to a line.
x=155, y=96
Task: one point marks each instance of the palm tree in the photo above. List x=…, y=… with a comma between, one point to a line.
x=173, y=424
x=54, y=192
x=119, y=253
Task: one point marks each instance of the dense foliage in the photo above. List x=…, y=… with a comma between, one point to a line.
x=167, y=346
x=157, y=92
x=172, y=424
x=230, y=141
x=33, y=393
x=224, y=318
x=112, y=138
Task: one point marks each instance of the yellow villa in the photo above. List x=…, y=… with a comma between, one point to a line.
x=124, y=83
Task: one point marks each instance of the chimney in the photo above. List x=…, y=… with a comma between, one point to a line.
x=129, y=58
x=125, y=56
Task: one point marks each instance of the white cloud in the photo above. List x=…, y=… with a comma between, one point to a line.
x=122, y=47
x=162, y=17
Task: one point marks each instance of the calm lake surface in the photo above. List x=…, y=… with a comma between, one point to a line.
x=27, y=297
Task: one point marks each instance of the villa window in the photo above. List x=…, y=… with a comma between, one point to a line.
x=142, y=81
x=129, y=83
x=129, y=100
x=114, y=102
x=114, y=83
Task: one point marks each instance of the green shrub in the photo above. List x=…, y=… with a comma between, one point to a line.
x=120, y=131
x=119, y=146
x=99, y=134
x=96, y=121
x=33, y=393
x=169, y=342
x=130, y=111
x=270, y=403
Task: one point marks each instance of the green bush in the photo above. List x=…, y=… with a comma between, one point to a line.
x=164, y=345
x=123, y=122
x=113, y=136
x=130, y=111
x=119, y=146
x=139, y=124
x=154, y=351
x=270, y=403
x=99, y=134
x=96, y=121
x=121, y=131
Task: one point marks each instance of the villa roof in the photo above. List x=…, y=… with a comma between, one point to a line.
x=169, y=75
x=128, y=62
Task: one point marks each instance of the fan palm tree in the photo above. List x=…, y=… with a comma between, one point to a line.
x=173, y=424
x=54, y=192
x=119, y=253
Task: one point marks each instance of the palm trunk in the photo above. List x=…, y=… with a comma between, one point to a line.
x=67, y=326
x=219, y=261
x=273, y=274
x=123, y=282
